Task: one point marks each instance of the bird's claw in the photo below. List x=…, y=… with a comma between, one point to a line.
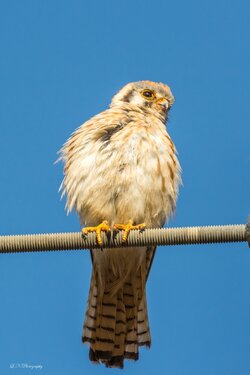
x=127, y=228
x=103, y=227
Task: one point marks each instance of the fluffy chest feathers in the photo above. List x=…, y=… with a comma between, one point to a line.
x=121, y=165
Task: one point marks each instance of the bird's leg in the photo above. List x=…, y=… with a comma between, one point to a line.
x=103, y=227
x=127, y=228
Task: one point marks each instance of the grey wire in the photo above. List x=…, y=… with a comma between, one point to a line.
x=163, y=236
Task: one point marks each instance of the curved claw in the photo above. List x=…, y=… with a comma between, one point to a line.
x=103, y=227
x=128, y=227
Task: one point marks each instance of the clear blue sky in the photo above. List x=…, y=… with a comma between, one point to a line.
x=61, y=61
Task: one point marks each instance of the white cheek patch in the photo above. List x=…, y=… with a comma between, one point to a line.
x=137, y=100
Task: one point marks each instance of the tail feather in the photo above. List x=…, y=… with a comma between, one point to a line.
x=116, y=321
x=90, y=323
x=130, y=297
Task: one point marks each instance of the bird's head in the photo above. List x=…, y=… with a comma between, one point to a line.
x=146, y=94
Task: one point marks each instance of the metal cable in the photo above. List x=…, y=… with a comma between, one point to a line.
x=163, y=236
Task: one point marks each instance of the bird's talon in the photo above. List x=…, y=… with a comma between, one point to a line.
x=103, y=227
x=127, y=228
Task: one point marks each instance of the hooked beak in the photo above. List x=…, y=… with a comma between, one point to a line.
x=161, y=104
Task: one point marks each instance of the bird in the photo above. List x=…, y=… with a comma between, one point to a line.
x=121, y=173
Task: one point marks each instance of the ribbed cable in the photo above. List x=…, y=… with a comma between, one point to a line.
x=163, y=236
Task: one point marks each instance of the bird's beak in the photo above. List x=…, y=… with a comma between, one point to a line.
x=161, y=104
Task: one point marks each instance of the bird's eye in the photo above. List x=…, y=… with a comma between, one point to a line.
x=148, y=94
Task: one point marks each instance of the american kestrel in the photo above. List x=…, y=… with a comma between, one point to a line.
x=121, y=172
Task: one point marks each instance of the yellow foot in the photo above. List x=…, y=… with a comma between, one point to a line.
x=127, y=228
x=103, y=227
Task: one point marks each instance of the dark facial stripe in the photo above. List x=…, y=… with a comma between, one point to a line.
x=127, y=97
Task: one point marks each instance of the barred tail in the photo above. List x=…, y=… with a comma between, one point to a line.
x=116, y=321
